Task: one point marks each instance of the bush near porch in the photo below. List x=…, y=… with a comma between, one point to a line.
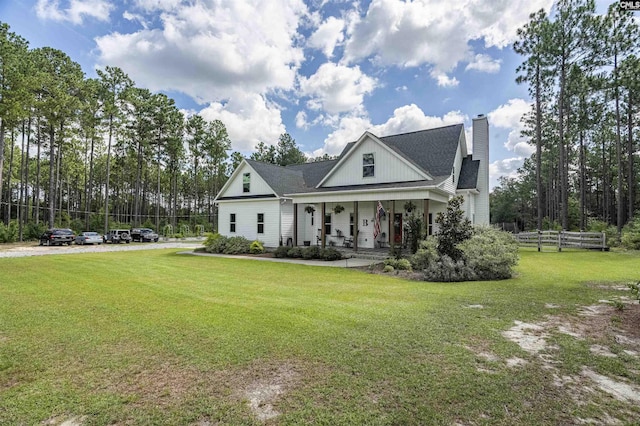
x=461, y=252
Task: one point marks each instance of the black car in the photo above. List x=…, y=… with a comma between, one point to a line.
x=144, y=234
x=57, y=236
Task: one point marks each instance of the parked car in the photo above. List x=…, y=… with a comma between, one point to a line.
x=57, y=236
x=89, y=237
x=143, y=234
x=117, y=236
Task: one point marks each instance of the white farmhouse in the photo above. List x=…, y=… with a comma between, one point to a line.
x=338, y=201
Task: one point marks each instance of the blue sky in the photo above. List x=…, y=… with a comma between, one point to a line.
x=323, y=71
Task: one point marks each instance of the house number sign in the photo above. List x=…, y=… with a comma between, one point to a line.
x=365, y=222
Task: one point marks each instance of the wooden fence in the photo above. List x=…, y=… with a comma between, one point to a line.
x=563, y=239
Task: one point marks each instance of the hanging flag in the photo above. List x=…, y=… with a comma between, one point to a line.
x=379, y=214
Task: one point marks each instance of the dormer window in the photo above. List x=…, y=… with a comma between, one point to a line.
x=246, y=182
x=368, y=165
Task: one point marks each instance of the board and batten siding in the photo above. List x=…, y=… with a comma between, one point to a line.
x=257, y=185
x=388, y=167
x=481, y=152
x=246, y=212
x=451, y=184
x=286, y=212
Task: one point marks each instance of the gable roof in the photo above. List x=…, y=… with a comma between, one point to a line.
x=468, y=177
x=431, y=151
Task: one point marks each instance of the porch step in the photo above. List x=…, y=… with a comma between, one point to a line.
x=369, y=254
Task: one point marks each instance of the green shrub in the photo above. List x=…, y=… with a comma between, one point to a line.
x=9, y=234
x=215, y=243
x=631, y=235
x=294, y=252
x=33, y=231
x=237, y=245
x=256, y=247
x=454, y=229
x=281, y=252
x=312, y=252
x=400, y=264
x=427, y=254
x=330, y=253
x=448, y=270
x=388, y=268
x=490, y=253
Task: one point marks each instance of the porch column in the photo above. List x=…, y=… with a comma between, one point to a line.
x=356, y=226
x=425, y=219
x=322, y=230
x=295, y=225
x=392, y=225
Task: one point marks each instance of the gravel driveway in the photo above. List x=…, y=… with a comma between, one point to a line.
x=33, y=249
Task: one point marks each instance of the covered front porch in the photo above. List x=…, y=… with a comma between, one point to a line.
x=370, y=221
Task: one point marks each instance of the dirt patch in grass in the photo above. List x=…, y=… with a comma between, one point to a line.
x=260, y=385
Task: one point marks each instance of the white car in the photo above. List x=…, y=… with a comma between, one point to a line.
x=89, y=238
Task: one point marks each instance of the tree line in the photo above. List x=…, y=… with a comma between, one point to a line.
x=583, y=74
x=91, y=153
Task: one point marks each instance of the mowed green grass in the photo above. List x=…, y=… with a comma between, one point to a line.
x=155, y=337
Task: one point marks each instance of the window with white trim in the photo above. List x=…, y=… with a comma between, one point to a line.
x=368, y=165
x=260, y=223
x=246, y=182
x=232, y=222
x=327, y=224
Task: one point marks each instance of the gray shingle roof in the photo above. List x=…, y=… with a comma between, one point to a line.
x=468, y=178
x=431, y=150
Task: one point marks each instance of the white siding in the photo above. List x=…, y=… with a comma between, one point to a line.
x=388, y=167
x=286, y=209
x=257, y=185
x=247, y=220
x=481, y=152
x=451, y=184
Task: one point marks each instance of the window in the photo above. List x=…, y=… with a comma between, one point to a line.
x=260, y=223
x=351, y=224
x=327, y=224
x=453, y=173
x=246, y=182
x=430, y=227
x=232, y=222
x=368, y=165
x=312, y=218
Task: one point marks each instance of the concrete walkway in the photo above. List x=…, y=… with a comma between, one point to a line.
x=344, y=263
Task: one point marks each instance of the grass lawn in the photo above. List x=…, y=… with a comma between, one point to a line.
x=153, y=337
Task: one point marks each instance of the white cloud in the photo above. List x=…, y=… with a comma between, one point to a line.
x=435, y=32
x=76, y=11
x=328, y=35
x=301, y=120
x=135, y=17
x=249, y=119
x=408, y=118
x=444, y=80
x=507, y=168
x=157, y=5
x=484, y=63
x=208, y=49
x=336, y=88
x=508, y=116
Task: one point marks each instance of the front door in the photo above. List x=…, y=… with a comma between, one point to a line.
x=397, y=228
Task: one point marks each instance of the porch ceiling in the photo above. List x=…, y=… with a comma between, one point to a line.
x=434, y=194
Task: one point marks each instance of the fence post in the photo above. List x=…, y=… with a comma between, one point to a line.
x=560, y=240
x=604, y=241
x=539, y=240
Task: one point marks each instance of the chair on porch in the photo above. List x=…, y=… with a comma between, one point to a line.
x=382, y=240
x=347, y=242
